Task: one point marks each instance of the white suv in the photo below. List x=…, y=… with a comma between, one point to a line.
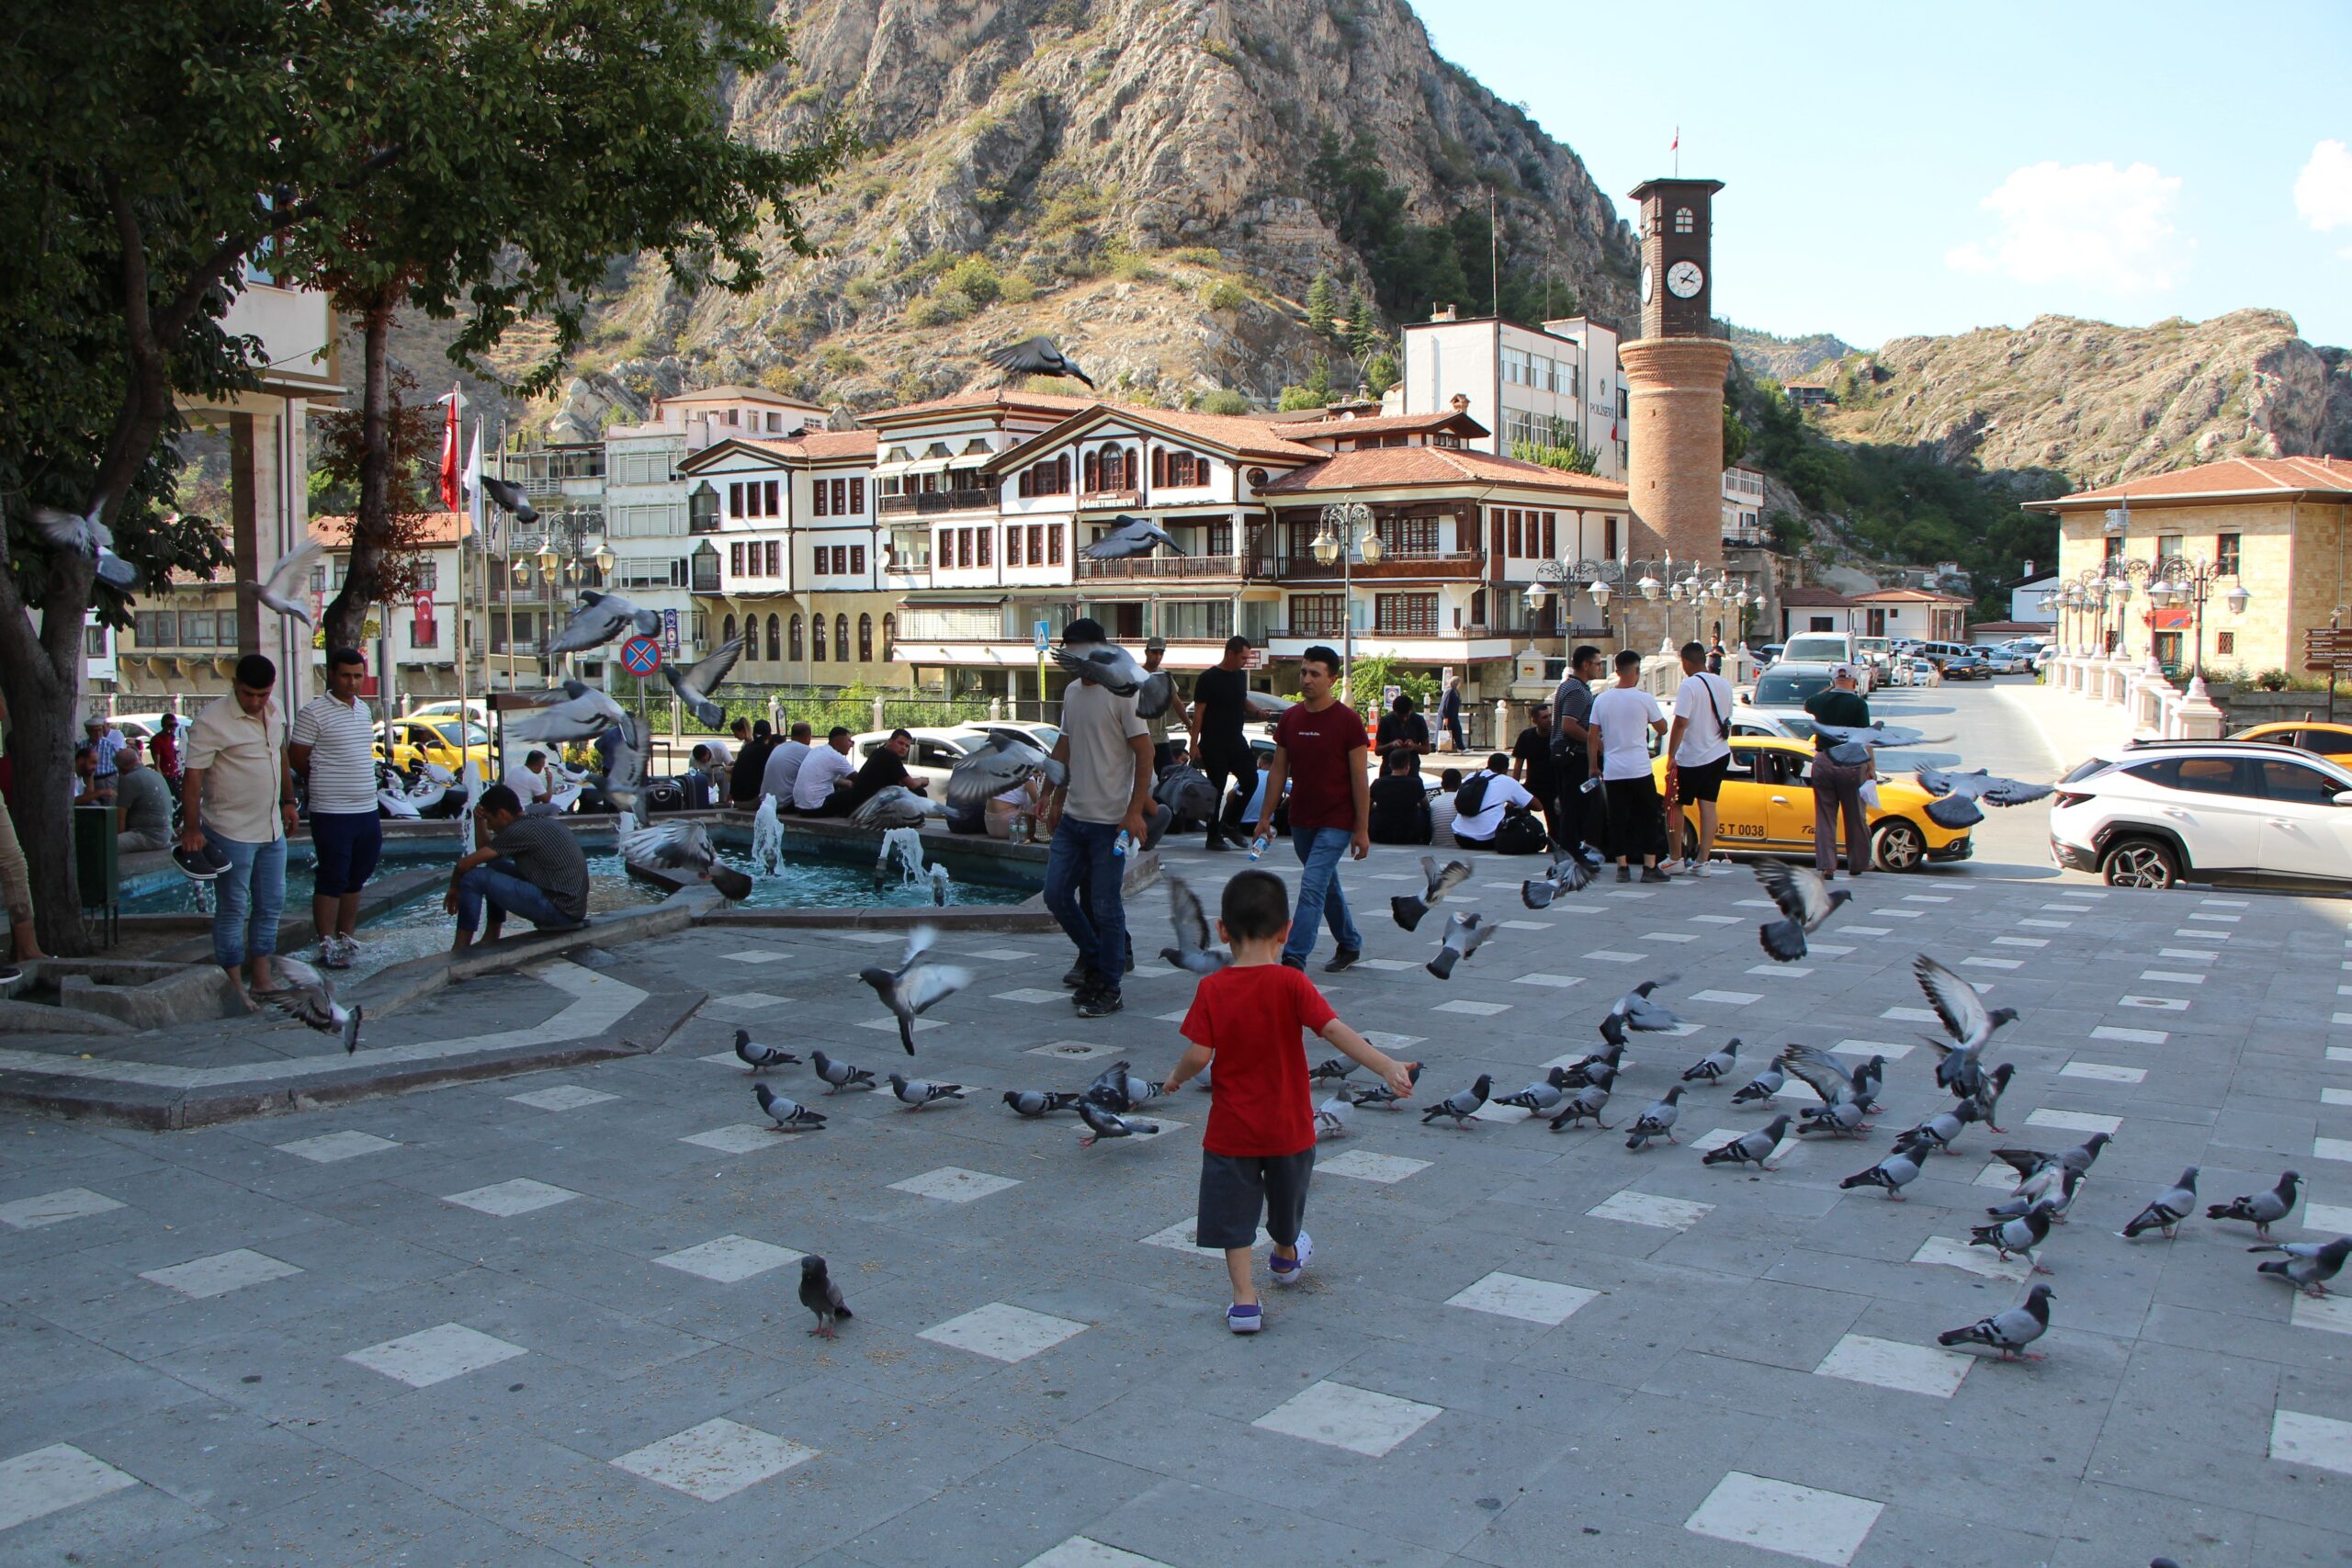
x=2150, y=813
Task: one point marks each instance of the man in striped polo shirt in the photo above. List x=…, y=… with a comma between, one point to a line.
x=332, y=747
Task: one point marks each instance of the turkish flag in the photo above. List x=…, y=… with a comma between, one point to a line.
x=450, y=454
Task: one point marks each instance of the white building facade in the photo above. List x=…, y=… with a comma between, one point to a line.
x=1524, y=384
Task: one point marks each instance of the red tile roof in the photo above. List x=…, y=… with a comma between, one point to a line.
x=1813, y=599
x=1908, y=596
x=2233, y=479
x=1000, y=397
x=1380, y=424
x=440, y=529
x=821, y=445
x=1236, y=434
x=1383, y=468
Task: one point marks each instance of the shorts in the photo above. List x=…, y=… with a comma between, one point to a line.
x=1235, y=1189
x=347, y=844
x=1701, y=781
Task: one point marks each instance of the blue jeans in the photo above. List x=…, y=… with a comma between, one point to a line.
x=1319, y=897
x=247, y=898
x=496, y=884
x=1080, y=856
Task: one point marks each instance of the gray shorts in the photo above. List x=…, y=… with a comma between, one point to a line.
x=1235, y=1189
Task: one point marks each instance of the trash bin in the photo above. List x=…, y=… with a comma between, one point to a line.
x=96, y=869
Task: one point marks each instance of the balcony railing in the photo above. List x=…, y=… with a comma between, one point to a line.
x=1392, y=563
x=924, y=505
x=1166, y=567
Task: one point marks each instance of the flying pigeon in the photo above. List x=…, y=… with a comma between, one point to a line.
x=1600, y=1068
x=1586, y=1102
x=1965, y=1019
x=2166, y=1209
x=286, y=579
x=1130, y=536
x=86, y=535
x=1036, y=1102
x=1192, y=951
x=1437, y=881
x=573, y=710
x=1806, y=899
x=895, y=805
x=789, y=1115
x=304, y=995
x=1465, y=934
x=1854, y=743
x=914, y=985
x=685, y=846
x=1332, y=1117
x=1116, y=1087
x=1035, y=356
x=1957, y=794
x=1461, y=1106
x=2019, y=1236
x=601, y=619
x=840, y=1075
x=2263, y=1209
x=1381, y=1095
x=1987, y=1098
x=1568, y=875
x=1762, y=1087
x=1711, y=1067
x=1006, y=759
x=1114, y=669
x=694, y=683
x=509, y=498
x=917, y=1093
x=2309, y=1265
x=623, y=782
x=758, y=1057
x=821, y=1296
x=2008, y=1332
x=1751, y=1149
x=1636, y=1012
x=1894, y=1173
x=1827, y=1076
x=1541, y=1098
x=1332, y=1070
x=1102, y=1124
x=1841, y=1119
x=1657, y=1121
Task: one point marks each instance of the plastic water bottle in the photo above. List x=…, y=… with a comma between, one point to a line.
x=1260, y=845
x=1123, y=843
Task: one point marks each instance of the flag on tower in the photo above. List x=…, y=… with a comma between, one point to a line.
x=1675, y=145
x=470, y=520
x=450, y=452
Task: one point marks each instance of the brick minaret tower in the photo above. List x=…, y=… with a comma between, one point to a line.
x=1674, y=375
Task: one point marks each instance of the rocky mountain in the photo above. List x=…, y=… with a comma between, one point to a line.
x=1135, y=177
x=2099, y=403
x=1784, y=358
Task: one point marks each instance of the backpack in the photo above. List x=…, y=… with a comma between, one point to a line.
x=1521, y=834
x=1471, y=799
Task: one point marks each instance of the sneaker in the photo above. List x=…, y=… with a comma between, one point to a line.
x=1100, y=1002
x=1297, y=964
x=1244, y=1319
x=1652, y=874
x=1289, y=1272
x=1077, y=977
x=1625, y=874
x=1220, y=843
x=1343, y=959
x=1672, y=867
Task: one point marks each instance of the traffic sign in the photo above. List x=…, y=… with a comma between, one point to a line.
x=1043, y=631
x=641, y=655
x=670, y=633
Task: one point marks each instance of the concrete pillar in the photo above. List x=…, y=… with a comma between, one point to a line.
x=2196, y=717
x=1675, y=444
x=244, y=528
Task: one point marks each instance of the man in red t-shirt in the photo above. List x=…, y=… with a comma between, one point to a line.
x=1258, y=1153
x=1320, y=745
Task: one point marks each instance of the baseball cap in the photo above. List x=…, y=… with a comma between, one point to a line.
x=1841, y=673
x=202, y=863
x=1083, y=629
x=1155, y=644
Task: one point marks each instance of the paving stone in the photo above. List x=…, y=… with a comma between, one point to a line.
x=951, y=1184
x=1003, y=1332
x=220, y=1274
x=1889, y=1363
x=1780, y=1515
x=434, y=1355
x=728, y=1259
x=741, y=1138
x=1079, y=1552
x=2320, y=1441
x=54, y=1208
x=568, y=1097
x=715, y=1460
x=506, y=1199
x=1649, y=1209
x=1362, y=1165
x=1342, y=1417
x=1514, y=1295
x=48, y=1481
x=329, y=1147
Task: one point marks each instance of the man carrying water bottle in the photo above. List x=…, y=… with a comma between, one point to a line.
x=1320, y=747
x=1106, y=749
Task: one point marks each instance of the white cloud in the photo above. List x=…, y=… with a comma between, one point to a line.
x=2090, y=224
x=2323, y=190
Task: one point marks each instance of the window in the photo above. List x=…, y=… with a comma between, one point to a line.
x=2168, y=547
x=2115, y=547
x=1013, y=545
x=857, y=560
x=93, y=642
x=795, y=654
x=1053, y=546
x=1408, y=535
x=1091, y=471
x=735, y=560
x=735, y=499
x=1684, y=222
x=1551, y=536
x=817, y=501
x=157, y=628
x=841, y=637
x=1318, y=614
x=727, y=633
x=866, y=639
x=2295, y=784
x=2225, y=642
x=2228, y=554
x=1197, y=620
x=857, y=497
x=224, y=627
x=1512, y=518
x=985, y=534
x=1412, y=614
x=1609, y=536
x=775, y=559
x=2167, y=650
x=817, y=622
x=520, y=636
x=775, y=640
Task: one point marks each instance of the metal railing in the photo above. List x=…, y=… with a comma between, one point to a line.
x=1392, y=563
x=1166, y=567
x=926, y=503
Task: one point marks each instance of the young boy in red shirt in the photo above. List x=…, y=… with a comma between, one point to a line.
x=1259, y=1150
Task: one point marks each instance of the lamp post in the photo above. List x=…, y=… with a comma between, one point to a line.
x=1348, y=530
x=2177, y=581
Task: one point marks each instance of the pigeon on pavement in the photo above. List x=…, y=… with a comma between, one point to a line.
x=1584, y=1104
x=1841, y=1119
x=1465, y=934
x=1940, y=1130
x=1102, y=1124
x=694, y=682
x=1636, y=1012
x=1437, y=881
x=2309, y=1265
x=789, y=1115
x=2166, y=1209
x=1331, y=1071
x=286, y=581
x=1130, y=536
x=2019, y=1236
x=821, y=1296
x=1381, y=1095
x=1762, y=1087
x=305, y=996
x=1956, y=793
x=1461, y=1106
x=840, y=1075
x=917, y=1093
x=1827, y=1076
x=1115, y=670
x=1541, y=1098
x=1602, y=1066
x=2263, y=1209
x=1035, y=1102
x=915, y=986
x=758, y=1057
x=1035, y=356
x=1191, y=950
x=1006, y=759
x=1333, y=1117
x=1986, y=1101
x=86, y=533
x=601, y=619
x=1806, y=899
x=2052, y=1191
x=1894, y=1173
x=1752, y=1148
x=1657, y=1122
x=1965, y=1017
x=1711, y=1067
x=2008, y=1332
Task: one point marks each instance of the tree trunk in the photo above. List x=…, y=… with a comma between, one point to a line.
x=372, y=529
x=41, y=743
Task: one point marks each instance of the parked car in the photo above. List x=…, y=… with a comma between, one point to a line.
x=1923, y=671
x=1766, y=807
x=473, y=708
x=1769, y=654
x=2155, y=813
x=2333, y=741
x=415, y=741
x=1781, y=692
x=2001, y=660
x=1832, y=647
x=1969, y=666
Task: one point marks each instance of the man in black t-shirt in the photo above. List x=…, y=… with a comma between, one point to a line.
x=749, y=763
x=888, y=766
x=1532, y=765
x=1220, y=707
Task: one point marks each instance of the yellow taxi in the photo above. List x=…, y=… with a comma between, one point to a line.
x=2333, y=741
x=416, y=741
x=1767, y=808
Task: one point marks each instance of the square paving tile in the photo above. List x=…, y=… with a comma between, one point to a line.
x=1001, y=954
x=1781, y=971
x=507, y=1199
x=1530, y=1301
x=952, y=1184
x=54, y=1208
x=1867, y=931
x=1611, y=956
x=435, y=1355
x=1473, y=1009
x=2331, y=1314
x=328, y=1148
x=220, y=1274
x=746, y=1003
x=1668, y=936
x=742, y=1138
x=1893, y=1050
x=1648, y=1209
x=1077, y=1551
x=2020, y=941
x=1550, y=981
x=2332, y=1148
x=2075, y=1121
x=45, y=1480
x=1387, y=966
x=1780, y=1515
x=1909, y=1015
x=716, y=1459
x=2131, y=1036
x=2320, y=1441
x=1978, y=961
x=1728, y=998
x=1342, y=1417
x=728, y=1259
x=1003, y=1332
x=890, y=1025
x=1715, y=919
x=1178, y=1237
x=754, y=955
x=2102, y=1072
x=1890, y=1364
x=1362, y=1165
x=1969, y=1260
x=1032, y=994
x=568, y=1097
x=1526, y=925
x=2327, y=1218
x=2173, y=976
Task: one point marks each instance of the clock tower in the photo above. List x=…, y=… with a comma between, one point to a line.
x=1674, y=375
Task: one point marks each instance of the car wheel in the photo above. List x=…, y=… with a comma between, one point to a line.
x=2139, y=862
x=1898, y=846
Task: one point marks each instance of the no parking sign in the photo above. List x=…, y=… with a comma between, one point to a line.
x=641, y=655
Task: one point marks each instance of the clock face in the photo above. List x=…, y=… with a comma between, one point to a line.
x=1684, y=280
x=1649, y=284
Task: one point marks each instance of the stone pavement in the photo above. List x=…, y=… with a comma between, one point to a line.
x=550, y=1319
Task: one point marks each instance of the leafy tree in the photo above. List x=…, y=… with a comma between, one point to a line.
x=1322, y=305
x=1558, y=449
x=1315, y=394
x=1225, y=400
x=1734, y=435
x=1380, y=372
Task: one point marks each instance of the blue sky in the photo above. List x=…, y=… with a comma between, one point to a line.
x=1902, y=167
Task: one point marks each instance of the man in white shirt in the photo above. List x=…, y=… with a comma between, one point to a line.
x=1475, y=829
x=820, y=770
x=1622, y=719
x=332, y=746
x=783, y=772
x=1699, y=747
x=238, y=798
x=532, y=781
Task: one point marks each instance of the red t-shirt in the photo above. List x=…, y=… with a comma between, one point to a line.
x=1322, y=793
x=1250, y=1017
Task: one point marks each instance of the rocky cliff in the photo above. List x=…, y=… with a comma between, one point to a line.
x=1784, y=358
x=2099, y=402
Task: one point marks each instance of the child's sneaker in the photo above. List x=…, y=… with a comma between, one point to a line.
x=1290, y=1272
x=1244, y=1319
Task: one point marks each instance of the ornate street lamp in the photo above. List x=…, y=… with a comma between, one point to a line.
x=1349, y=532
